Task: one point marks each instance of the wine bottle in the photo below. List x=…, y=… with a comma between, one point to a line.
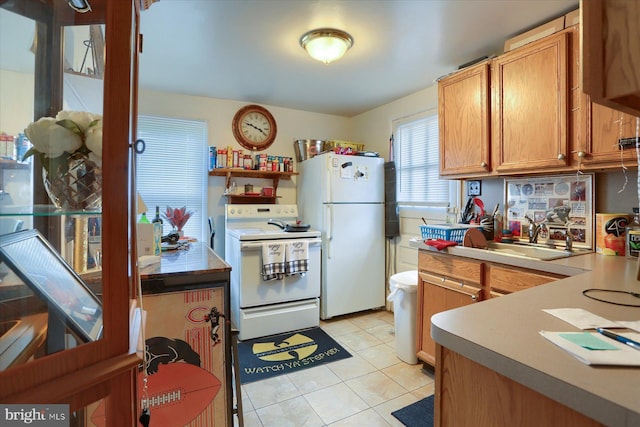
x=157, y=217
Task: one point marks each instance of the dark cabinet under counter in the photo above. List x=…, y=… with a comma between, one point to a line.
x=186, y=299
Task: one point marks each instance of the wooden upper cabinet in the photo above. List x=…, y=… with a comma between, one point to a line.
x=605, y=128
x=464, y=122
x=611, y=53
x=530, y=110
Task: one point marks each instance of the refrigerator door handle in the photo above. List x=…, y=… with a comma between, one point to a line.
x=329, y=228
x=328, y=178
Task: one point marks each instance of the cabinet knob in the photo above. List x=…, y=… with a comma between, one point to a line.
x=483, y=164
x=582, y=154
x=474, y=297
x=561, y=156
x=443, y=280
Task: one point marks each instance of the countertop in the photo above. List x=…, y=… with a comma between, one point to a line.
x=504, y=334
x=182, y=268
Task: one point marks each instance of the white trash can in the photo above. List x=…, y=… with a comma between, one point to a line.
x=403, y=289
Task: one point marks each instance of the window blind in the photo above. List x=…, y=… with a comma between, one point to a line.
x=172, y=171
x=417, y=161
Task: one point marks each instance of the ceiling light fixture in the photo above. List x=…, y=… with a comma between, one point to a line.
x=326, y=44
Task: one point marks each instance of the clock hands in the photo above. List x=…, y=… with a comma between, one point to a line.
x=256, y=128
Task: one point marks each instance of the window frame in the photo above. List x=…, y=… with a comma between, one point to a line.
x=454, y=187
x=198, y=156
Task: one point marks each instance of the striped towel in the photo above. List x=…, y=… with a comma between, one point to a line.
x=273, y=260
x=296, y=257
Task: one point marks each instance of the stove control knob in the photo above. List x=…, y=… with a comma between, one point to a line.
x=232, y=211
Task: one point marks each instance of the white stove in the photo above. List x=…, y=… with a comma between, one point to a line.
x=262, y=307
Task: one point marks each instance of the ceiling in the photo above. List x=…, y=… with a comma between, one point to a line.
x=248, y=50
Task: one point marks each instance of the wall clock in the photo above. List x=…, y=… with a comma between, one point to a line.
x=254, y=127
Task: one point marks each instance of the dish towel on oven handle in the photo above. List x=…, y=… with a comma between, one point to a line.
x=273, y=260
x=296, y=257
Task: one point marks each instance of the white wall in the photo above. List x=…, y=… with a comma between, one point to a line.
x=218, y=114
x=373, y=128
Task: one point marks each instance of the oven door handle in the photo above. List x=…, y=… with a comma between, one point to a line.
x=248, y=246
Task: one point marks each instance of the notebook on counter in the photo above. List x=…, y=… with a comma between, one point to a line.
x=593, y=348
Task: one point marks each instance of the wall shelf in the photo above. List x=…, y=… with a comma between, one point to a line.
x=243, y=199
x=274, y=176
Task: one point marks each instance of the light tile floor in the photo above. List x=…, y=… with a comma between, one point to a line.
x=362, y=390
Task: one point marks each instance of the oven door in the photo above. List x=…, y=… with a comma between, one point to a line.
x=255, y=291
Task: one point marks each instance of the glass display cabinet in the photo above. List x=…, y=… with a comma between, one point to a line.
x=66, y=224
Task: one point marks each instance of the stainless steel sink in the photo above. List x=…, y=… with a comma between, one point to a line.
x=533, y=251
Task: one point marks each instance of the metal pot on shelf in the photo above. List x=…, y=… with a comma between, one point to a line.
x=307, y=148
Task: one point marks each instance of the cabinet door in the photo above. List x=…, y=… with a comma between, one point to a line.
x=437, y=294
x=611, y=51
x=530, y=130
x=464, y=120
x=607, y=127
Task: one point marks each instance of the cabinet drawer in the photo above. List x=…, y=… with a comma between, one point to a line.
x=503, y=279
x=451, y=267
x=447, y=284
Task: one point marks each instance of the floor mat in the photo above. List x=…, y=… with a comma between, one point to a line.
x=419, y=414
x=275, y=355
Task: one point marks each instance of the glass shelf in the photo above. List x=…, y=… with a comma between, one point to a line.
x=43, y=210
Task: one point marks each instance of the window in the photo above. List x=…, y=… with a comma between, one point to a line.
x=417, y=161
x=172, y=171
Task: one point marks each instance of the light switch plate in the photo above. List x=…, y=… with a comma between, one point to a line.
x=474, y=188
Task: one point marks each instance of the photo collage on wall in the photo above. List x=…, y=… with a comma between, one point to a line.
x=559, y=204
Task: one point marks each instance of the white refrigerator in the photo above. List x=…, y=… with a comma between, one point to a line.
x=343, y=197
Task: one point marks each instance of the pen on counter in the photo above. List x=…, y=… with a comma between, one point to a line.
x=619, y=338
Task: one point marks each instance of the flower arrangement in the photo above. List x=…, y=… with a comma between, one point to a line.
x=177, y=217
x=55, y=139
x=69, y=148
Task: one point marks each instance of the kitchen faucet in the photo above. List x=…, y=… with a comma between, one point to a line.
x=534, y=230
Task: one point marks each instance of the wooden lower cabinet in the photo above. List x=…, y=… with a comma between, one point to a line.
x=436, y=294
x=447, y=281
x=444, y=282
x=505, y=279
x=469, y=394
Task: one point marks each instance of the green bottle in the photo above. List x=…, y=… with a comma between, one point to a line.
x=143, y=219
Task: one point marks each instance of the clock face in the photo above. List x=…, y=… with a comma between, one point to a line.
x=254, y=127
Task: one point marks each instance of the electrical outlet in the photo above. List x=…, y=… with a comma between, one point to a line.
x=474, y=188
